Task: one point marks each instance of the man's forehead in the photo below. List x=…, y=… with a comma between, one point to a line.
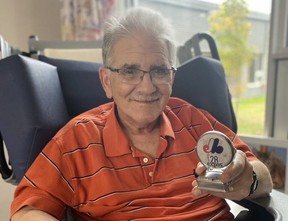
x=137, y=49
x=139, y=41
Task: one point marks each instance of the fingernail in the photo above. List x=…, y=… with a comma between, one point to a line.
x=196, y=192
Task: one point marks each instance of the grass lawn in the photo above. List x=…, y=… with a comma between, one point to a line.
x=250, y=114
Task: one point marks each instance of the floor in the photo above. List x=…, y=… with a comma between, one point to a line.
x=6, y=195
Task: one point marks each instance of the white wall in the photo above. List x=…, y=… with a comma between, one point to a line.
x=21, y=18
x=18, y=20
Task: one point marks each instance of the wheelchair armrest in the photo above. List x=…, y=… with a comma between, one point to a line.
x=272, y=207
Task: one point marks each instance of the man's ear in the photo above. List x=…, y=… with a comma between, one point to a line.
x=104, y=76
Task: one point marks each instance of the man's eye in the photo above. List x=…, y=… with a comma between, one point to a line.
x=129, y=71
x=160, y=72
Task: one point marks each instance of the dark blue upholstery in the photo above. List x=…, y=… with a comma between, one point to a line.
x=80, y=83
x=201, y=81
x=32, y=108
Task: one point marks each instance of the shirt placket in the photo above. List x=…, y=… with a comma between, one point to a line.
x=148, y=165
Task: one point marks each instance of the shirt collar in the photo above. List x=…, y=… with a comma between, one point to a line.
x=166, y=127
x=115, y=141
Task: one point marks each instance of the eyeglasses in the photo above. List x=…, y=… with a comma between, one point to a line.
x=134, y=76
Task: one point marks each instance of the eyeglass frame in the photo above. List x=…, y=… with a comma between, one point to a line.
x=173, y=70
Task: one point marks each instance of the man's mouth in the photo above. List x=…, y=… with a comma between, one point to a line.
x=146, y=100
x=143, y=99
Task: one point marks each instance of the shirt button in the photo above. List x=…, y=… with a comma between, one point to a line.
x=150, y=174
x=145, y=160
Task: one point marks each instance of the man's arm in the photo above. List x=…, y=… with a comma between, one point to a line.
x=29, y=214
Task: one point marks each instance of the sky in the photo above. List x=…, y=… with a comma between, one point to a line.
x=263, y=6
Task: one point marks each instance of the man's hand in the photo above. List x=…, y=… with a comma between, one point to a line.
x=239, y=176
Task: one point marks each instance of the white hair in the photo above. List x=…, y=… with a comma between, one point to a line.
x=138, y=20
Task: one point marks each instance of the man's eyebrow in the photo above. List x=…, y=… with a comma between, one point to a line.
x=131, y=66
x=155, y=66
x=137, y=66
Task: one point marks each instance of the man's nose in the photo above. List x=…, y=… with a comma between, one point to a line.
x=147, y=83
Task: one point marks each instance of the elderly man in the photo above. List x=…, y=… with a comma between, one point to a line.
x=135, y=158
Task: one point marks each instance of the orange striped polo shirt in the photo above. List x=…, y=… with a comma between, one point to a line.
x=90, y=166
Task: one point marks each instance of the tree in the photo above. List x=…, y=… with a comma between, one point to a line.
x=231, y=31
